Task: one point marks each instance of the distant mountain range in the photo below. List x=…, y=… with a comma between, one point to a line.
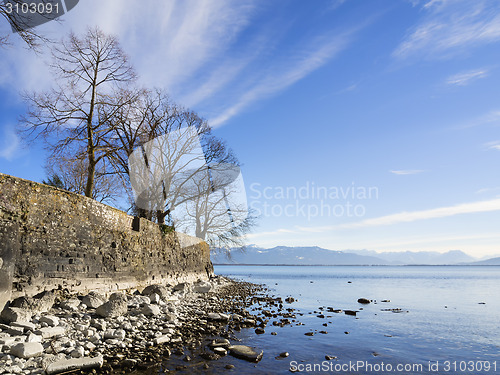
x=284, y=255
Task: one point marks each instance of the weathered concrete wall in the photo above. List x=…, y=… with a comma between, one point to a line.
x=51, y=238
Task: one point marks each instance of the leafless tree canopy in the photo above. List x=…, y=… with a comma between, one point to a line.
x=88, y=73
x=71, y=171
x=21, y=26
x=105, y=135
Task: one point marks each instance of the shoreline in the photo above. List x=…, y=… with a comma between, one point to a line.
x=163, y=327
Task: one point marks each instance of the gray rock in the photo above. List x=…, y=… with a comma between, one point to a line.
x=27, y=349
x=98, y=324
x=70, y=304
x=161, y=339
x=14, y=331
x=27, y=326
x=40, y=303
x=218, y=316
x=202, y=287
x=246, y=353
x=114, y=334
x=47, y=332
x=136, y=301
x=181, y=287
x=15, y=314
x=151, y=310
x=67, y=365
x=51, y=320
x=224, y=343
x=113, y=308
x=6, y=339
x=93, y=300
x=161, y=290
x=118, y=296
x=154, y=298
x=220, y=351
x=78, y=352
x=33, y=338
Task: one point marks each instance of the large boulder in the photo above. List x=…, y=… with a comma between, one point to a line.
x=15, y=314
x=161, y=290
x=40, y=303
x=70, y=304
x=113, y=308
x=93, y=300
x=202, y=287
x=27, y=349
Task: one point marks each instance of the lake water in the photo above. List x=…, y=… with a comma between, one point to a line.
x=452, y=325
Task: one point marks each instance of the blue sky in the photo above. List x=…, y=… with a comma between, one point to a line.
x=400, y=97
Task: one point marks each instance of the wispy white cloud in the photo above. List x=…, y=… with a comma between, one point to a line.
x=490, y=118
x=281, y=76
x=406, y=217
x=269, y=233
x=448, y=27
x=208, y=54
x=488, y=190
x=464, y=78
x=495, y=145
x=406, y=171
x=9, y=146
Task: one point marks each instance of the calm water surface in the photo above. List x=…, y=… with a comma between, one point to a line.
x=453, y=319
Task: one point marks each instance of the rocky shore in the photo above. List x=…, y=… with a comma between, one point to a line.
x=57, y=332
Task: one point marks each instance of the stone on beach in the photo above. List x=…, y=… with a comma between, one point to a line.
x=224, y=343
x=161, y=290
x=181, y=287
x=217, y=316
x=151, y=310
x=70, y=304
x=202, y=287
x=51, y=320
x=47, y=332
x=93, y=300
x=40, y=303
x=27, y=349
x=246, y=353
x=67, y=365
x=161, y=339
x=114, y=334
x=15, y=314
x=27, y=326
x=113, y=308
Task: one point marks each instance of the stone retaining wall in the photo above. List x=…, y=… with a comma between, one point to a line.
x=52, y=238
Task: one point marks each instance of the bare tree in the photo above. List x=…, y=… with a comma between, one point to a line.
x=69, y=172
x=217, y=211
x=23, y=26
x=88, y=72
